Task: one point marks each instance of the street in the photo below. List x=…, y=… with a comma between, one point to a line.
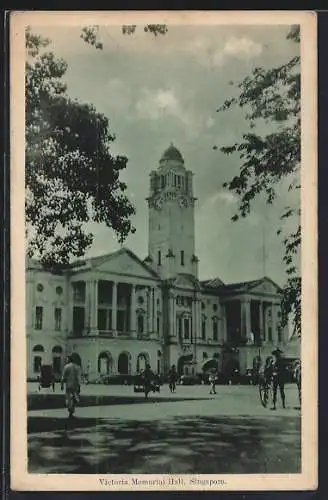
x=191, y=432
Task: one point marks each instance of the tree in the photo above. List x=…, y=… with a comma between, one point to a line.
x=72, y=178
x=273, y=97
x=90, y=34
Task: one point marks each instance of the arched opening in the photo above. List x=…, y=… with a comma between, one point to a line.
x=38, y=348
x=230, y=363
x=57, y=354
x=123, y=366
x=140, y=322
x=76, y=359
x=105, y=363
x=142, y=360
x=37, y=358
x=184, y=364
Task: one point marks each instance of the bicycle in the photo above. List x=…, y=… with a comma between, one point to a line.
x=265, y=391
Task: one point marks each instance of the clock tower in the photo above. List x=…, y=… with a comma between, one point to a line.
x=171, y=248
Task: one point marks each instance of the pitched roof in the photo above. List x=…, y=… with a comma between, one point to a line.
x=241, y=287
x=212, y=283
x=85, y=264
x=95, y=261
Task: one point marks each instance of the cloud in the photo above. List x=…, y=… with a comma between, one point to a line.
x=159, y=103
x=239, y=48
x=222, y=196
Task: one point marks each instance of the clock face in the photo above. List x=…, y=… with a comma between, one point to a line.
x=183, y=202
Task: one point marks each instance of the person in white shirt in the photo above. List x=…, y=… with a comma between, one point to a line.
x=71, y=378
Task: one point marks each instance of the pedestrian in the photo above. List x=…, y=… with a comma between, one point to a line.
x=71, y=379
x=148, y=379
x=212, y=380
x=173, y=376
x=278, y=378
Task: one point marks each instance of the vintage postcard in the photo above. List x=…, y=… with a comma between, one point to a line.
x=164, y=268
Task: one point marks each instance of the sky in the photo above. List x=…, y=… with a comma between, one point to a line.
x=158, y=90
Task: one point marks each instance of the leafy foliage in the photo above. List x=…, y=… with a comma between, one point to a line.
x=271, y=96
x=90, y=34
x=71, y=176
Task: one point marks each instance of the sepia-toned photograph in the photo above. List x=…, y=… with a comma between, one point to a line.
x=161, y=342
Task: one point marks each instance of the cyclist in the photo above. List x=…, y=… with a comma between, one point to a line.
x=72, y=379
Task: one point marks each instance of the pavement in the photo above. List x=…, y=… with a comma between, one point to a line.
x=229, y=432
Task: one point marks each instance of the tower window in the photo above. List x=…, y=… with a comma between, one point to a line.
x=182, y=257
x=159, y=258
x=38, y=318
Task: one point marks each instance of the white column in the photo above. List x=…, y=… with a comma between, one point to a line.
x=247, y=305
x=172, y=314
x=93, y=305
x=199, y=317
x=261, y=320
x=194, y=320
x=149, y=310
x=133, y=326
x=114, y=306
x=274, y=324
x=155, y=310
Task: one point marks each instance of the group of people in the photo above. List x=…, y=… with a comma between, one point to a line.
x=273, y=371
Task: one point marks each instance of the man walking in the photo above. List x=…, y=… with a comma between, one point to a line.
x=278, y=378
x=72, y=379
x=212, y=381
x=173, y=376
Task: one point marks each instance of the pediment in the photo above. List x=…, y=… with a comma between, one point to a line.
x=183, y=281
x=124, y=262
x=266, y=286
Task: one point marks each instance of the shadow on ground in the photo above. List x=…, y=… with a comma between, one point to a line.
x=202, y=445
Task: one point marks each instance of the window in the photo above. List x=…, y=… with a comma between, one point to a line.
x=38, y=317
x=159, y=258
x=141, y=323
x=205, y=356
x=37, y=361
x=203, y=329
x=104, y=319
x=215, y=330
x=58, y=319
x=269, y=334
x=180, y=327
x=186, y=328
x=182, y=257
x=121, y=326
x=78, y=291
x=158, y=324
x=59, y=290
x=78, y=320
x=179, y=181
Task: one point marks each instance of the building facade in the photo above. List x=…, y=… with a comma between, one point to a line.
x=117, y=312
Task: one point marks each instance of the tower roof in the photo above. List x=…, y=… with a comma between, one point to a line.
x=172, y=153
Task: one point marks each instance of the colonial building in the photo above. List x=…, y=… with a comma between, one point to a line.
x=116, y=312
